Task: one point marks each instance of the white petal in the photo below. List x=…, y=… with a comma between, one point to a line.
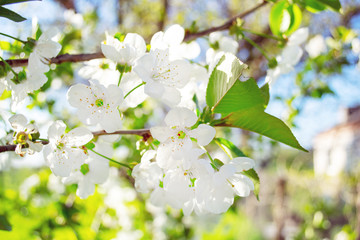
x=171, y=96
x=56, y=130
x=154, y=89
x=242, y=185
x=180, y=117
x=137, y=42
x=78, y=95
x=174, y=35
x=144, y=65
x=203, y=133
x=161, y=133
x=78, y=136
x=111, y=121
x=115, y=96
x=18, y=122
x=85, y=189
x=242, y=163
x=298, y=37
x=157, y=41
x=37, y=147
x=48, y=49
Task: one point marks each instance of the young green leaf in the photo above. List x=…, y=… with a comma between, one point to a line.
x=235, y=151
x=222, y=78
x=334, y=5
x=241, y=96
x=4, y=2
x=265, y=92
x=252, y=174
x=258, y=121
x=13, y=16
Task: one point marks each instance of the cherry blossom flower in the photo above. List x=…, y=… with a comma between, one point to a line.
x=125, y=52
x=24, y=135
x=45, y=49
x=97, y=104
x=94, y=171
x=147, y=174
x=316, y=46
x=227, y=182
x=63, y=153
x=172, y=39
x=175, y=136
x=290, y=55
x=163, y=77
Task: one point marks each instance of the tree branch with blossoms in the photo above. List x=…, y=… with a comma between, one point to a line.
x=189, y=36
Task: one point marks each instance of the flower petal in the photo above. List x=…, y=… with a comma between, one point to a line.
x=204, y=134
x=180, y=117
x=78, y=137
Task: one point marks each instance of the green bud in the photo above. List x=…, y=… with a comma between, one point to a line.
x=272, y=63
x=84, y=169
x=120, y=36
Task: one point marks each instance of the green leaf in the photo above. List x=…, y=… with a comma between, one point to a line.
x=241, y=96
x=4, y=223
x=284, y=18
x=295, y=18
x=90, y=145
x=265, y=92
x=4, y=2
x=235, y=151
x=314, y=6
x=13, y=16
x=252, y=174
x=220, y=82
x=335, y=5
x=276, y=16
x=258, y=121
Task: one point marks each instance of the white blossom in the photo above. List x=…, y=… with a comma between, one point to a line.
x=316, y=46
x=97, y=104
x=125, y=52
x=23, y=135
x=44, y=50
x=163, y=77
x=147, y=174
x=95, y=170
x=63, y=152
x=290, y=55
x=175, y=136
x=227, y=183
x=172, y=39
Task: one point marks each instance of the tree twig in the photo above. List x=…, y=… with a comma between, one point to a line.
x=145, y=133
x=89, y=56
x=226, y=25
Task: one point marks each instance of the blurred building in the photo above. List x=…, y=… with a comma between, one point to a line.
x=337, y=150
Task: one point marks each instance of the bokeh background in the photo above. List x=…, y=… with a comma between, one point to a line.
x=314, y=195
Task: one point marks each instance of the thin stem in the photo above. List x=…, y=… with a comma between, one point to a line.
x=134, y=89
x=254, y=44
x=111, y=160
x=222, y=147
x=262, y=34
x=17, y=39
x=208, y=154
x=121, y=75
x=12, y=70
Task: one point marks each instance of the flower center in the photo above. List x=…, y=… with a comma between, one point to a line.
x=84, y=169
x=181, y=134
x=99, y=102
x=21, y=138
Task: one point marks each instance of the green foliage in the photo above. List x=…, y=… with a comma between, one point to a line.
x=242, y=104
x=219, y=83
x=11, y=15
x=234, y=151
x=4, y=223
x=252, y=174
x=284, y=18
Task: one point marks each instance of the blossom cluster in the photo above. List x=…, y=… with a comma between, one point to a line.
x=178, y=171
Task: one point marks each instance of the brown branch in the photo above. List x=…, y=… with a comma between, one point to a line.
x=89, y=56
x=145, y=133
x=225, y=26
